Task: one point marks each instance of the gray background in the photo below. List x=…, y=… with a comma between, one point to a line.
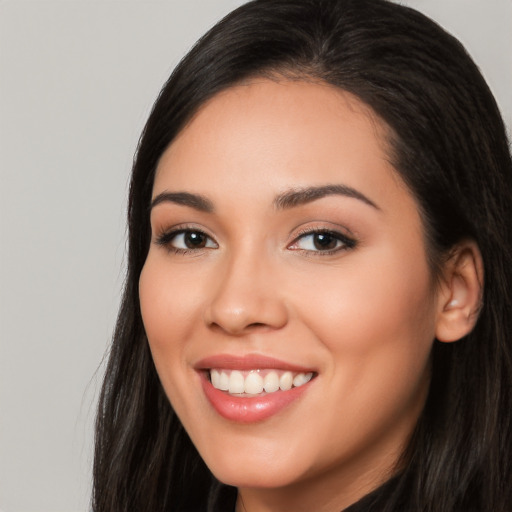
x=77, y=80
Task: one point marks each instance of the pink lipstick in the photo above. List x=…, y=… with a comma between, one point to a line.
x=251, y=388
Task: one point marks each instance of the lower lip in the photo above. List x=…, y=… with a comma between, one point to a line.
x=251, y=409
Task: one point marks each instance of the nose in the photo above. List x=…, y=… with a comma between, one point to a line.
x=247, y=297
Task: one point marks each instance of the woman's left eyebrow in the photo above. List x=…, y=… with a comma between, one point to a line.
x=300, y=196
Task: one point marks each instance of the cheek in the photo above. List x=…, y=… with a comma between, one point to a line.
x=165, y=306
x=387, y=288
x=167, y=300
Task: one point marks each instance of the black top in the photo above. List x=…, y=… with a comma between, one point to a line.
x=373, y=501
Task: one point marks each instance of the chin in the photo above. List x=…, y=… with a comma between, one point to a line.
x=268, y=476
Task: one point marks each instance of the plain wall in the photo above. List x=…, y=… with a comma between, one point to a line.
x=77, y=80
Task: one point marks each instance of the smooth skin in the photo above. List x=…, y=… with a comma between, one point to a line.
x=337, y=282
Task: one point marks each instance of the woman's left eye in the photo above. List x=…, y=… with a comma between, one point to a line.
x=323, y=241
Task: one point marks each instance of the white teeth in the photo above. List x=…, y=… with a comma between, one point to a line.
x=236, y=382
x=223, y=381
x=271, y=382
x=253, y=383
x=301, y=379
x=286, y=381
x=215, y=378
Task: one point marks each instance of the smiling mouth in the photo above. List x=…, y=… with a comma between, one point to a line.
x=256, y=382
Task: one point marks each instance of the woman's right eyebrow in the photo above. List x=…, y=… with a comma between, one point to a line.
x=196, y=201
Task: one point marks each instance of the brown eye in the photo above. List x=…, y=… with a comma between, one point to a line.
x=323, y=241
x=194, y=240
x=186, y=240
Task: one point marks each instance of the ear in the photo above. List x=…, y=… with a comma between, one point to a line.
x=460, y=292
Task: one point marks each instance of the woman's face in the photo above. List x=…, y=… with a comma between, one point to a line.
x=288, y=264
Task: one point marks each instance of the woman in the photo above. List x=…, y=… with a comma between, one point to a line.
x=316, y=314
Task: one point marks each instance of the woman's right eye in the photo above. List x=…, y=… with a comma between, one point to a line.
x=185, y=240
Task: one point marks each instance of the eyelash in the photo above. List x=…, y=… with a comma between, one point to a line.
x=346, y=242
x=165, y=239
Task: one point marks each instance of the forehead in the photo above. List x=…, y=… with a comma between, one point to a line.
x=263, y=136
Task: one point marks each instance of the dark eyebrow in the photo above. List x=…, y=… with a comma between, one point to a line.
x=300, y=196
x=196, y=201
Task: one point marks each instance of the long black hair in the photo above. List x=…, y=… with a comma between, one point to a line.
x=448, y=143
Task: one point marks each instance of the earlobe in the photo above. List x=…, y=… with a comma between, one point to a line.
x=460, y=293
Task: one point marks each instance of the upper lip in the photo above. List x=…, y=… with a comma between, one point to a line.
x=248, y=362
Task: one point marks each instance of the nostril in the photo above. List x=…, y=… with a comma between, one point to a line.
x=240, y=329
x=256, y=325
